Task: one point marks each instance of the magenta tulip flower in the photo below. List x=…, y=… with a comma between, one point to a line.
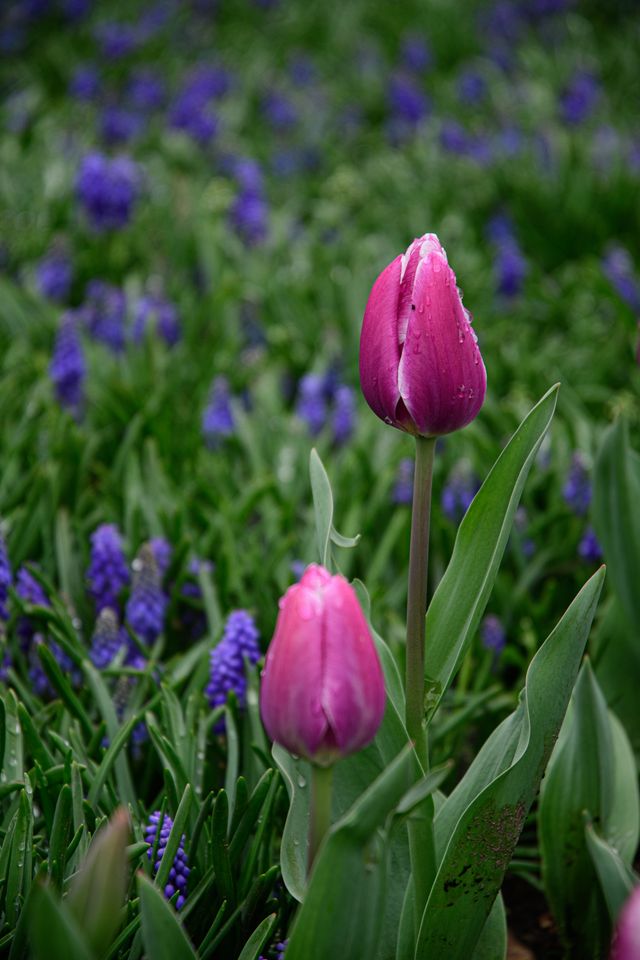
x=322, y=693
x=626, y=942
x=420, y=366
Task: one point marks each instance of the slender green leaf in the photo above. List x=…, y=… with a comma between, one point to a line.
x=463, y=592
x=478, y=826
x=258, y=939
x=162, y=933
x=616, y=877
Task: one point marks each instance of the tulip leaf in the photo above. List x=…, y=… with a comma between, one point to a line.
x=616, y=877
x=53, y=931
x=578, y=780
x=348, y=881
x=478, y=826
x=162, y=933
x=463, y=592
x=616, y=493
x=258, y=939
x=326, y=533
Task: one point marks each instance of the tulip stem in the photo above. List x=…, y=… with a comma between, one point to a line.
x=320, y=819
x=420, y=825
x=417, y=594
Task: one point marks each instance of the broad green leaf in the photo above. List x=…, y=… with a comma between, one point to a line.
x=323, y=506
x=97, y=893
x=616, y=659
x=616, y=494
x=616, y=877
x=578, y=780
x=463, y=592
x=623, y=822
x=348, y=881
x=492, y=944
x=258, y=939
x=478, y=826
x=162, y=933
x=53, y=931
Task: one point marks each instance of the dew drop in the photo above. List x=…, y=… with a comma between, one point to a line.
x=302, y=782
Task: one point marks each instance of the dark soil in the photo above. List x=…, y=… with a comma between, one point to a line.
x=529, y=919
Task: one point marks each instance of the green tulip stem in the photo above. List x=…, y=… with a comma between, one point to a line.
x=420, y=825
x=320, y=820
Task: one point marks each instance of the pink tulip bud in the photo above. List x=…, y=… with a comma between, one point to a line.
x=626, y=942
x=420, y=366
x=322, y=693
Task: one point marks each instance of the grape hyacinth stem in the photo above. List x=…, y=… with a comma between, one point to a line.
x=421, y=840
x=320, y=819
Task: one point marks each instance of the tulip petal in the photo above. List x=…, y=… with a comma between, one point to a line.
x=353, y=692
x=379, y=344
x=290, y=696
x=442, y=378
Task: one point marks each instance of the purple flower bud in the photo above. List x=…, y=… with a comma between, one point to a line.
x=107, y=190
x=162, y=551
x=472, y=87
x=85, y=82
x=239, y=643
x=344, y=414
x=415, y=53
x=619, y=271
x=6, y=579
x=626, y=940
x=403, y=488
x=119, y=125
x=146, y=90
x=458, y=492
x=29, y=590
x=589, y=549
x=579, y=98
x=218, y=420
x=311, y=404
x=577, y=487
x=117, y=40
x=67, y=368
x=108, y=570
x=157, y=834
x=420, y=366
x=108, y=639
x=158, y=314
x=493, y=634
x=104, y=312
x=322, y=694
x=249, y=215
x=53, y=277
x=407, y=102
x=147, y=603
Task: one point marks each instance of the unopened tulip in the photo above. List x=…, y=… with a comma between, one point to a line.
x=420, y=367
x=626, y=942
x=322, y=693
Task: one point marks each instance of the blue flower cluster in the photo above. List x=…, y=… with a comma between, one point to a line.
x=493, y=634
x=53, y=276
x=157, y=834
x=153, y=312
x=67, y=368
x=5, y=580
x=239, y=643
x=108, y=571
x=147, y=603
x=107, y=640
x=460, y=489
x=509, y=264
x=322, y=399
x=107, y=189
x=217, y=420
x=403, y=487
x=249, y=212
x=577, y=487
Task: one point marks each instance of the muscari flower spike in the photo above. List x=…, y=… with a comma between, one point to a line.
x=157, y=834
x=239, y=643
x=147, y=603
x=108, y=570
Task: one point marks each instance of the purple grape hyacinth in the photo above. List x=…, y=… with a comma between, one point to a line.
x=67, y=368
x=147, y=603
x=5, y=579
x=107, y=189
x=403, y=487
x=239, y=643
x=217, y=419
x=53, y=276
x=461, y=487
x=493, y=634
x=108, y=639
x=108, y=570
x=104, y=312
x=311, y=404
x=157, y=834
x=158, y=314
x=589, y=548
x=577, y=487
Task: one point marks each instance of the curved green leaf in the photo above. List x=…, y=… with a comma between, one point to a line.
x=162, y=933
x=479, y=824
x=463, y=592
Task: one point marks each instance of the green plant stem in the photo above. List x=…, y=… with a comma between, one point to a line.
x=420, y=825
x=320, y=819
